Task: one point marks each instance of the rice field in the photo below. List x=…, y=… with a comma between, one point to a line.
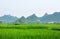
x=30, y=31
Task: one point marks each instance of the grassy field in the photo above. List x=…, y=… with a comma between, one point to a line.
x=30, y=31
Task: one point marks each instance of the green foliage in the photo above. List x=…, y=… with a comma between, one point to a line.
x=29, y=31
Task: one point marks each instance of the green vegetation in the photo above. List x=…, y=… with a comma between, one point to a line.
x=30, y=31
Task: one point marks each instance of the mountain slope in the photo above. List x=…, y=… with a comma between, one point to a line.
x=21, y=20
x=8, y=19
x=51, y=18
x=33, y=19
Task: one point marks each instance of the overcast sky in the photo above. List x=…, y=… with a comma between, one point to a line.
x=28, y=7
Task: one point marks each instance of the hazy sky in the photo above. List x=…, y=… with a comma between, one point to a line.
x=28, y=7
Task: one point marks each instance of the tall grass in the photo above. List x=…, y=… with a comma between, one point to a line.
x=29, y=31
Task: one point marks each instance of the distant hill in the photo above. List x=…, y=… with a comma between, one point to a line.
x=21, y=20
x=33, y=19
x=47, y=18
x=8, y=19
x=51, y=18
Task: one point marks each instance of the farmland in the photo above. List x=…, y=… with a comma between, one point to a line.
x=30, y=31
